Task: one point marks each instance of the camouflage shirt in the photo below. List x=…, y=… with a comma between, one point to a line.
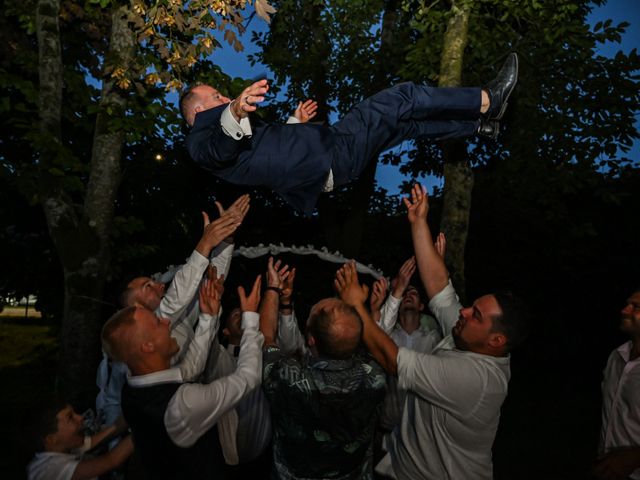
x=324, y=413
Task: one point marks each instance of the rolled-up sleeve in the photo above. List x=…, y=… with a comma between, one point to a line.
x=446, y=306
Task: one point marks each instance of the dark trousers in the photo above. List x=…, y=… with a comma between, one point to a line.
x=403, y=112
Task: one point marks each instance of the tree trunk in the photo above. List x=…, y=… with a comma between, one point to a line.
x=458, y=176
x=81, y=235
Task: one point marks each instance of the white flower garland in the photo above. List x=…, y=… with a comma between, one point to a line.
x=261, y=250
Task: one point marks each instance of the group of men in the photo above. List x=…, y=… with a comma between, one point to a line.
x=194, y=406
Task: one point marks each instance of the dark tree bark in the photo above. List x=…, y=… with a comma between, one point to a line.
x=80, y=233
x=458, y=176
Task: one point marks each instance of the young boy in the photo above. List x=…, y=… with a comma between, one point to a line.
x=59, y=432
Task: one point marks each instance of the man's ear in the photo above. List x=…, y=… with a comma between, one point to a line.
x=226, y=332
x=50, y=441
x=147, y=347
x=311, y=341
x=497, y=340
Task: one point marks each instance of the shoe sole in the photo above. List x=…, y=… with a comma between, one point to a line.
x=505, y=103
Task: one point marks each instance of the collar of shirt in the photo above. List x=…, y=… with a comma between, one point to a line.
x=421, y=330
x=448, y=343
x=329, y=364
x=625, y=351
x=170, y=375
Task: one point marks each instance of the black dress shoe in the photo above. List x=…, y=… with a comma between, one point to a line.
x=489, y=129
x=501, y=87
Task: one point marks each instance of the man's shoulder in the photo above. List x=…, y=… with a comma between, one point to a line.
x=52, y=466
x=273, y=359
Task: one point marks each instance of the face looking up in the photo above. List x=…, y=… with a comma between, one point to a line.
x=473, y=331
x=146, y=292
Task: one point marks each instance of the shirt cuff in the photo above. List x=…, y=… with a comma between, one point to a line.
x=233, y=128
x=292, y=120
x=393, y=301
x=205, y=318
x=250, y=320
x=328, y=184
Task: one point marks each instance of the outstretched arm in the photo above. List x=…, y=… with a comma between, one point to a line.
x=98, y=466
x=271, y=300
x=381, y=346
x=378, y=294
x=195, y=358
x=109, y=432
x=185, y=282
x=433, y=272
x=195, y=407
x=289, y=338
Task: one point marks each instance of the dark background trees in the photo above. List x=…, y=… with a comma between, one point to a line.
x=552, y=206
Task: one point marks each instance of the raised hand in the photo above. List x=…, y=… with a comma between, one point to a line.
x=216, y=231
x=378, y=293
x=306, y=111
x=348, y=287
x=401, y=282
x=211, y=292
x=441, y=244
x=250, y=303
x=239, y=208
x=247, y=100
x=287, y=287
x=276, y=275
x=418, y=205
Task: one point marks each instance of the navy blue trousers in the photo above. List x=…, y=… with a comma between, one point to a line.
x=403, y=112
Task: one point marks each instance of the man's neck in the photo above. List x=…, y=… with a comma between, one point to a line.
x=409, y=320
x=150, y=365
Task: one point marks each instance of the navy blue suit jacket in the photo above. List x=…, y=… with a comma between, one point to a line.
x=290, y=159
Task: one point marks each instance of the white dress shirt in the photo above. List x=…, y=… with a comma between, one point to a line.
x=196, y=407
x=621, y=403
x=452, y=407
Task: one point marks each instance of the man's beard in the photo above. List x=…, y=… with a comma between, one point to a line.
x=458, y=340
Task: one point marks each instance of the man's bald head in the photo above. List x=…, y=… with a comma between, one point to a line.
x=335, y=327
x=198, y=98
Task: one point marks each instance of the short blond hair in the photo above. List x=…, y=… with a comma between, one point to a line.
x=116, y=342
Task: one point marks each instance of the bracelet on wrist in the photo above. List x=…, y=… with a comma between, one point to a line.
x=275, y=289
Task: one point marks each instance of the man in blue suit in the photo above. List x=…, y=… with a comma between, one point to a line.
x=299, y=161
